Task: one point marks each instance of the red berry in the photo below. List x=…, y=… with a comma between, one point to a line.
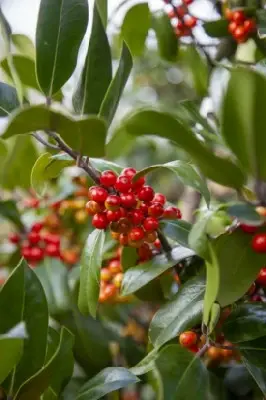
x=150, y=237
x=187, y=2
x=129, y=172
x=26, y=252
x=194, y=348
x=261, y=278
x=124, y=225
x=128, y=200
x=123, y=212
x=190, y=22
x=123, y=239
x=136, y=216
x=106, y=275
x=36, y=254
x=51, y=238
x=229, y=14
x=14, y=238
x=144, y=208
x=92, y=207
x=34, y=237
x=110, y=291
x=108, y=178
x=238, y=17
x=52, y=250
x=171, y=13
x=232, y=27
x=157, y=244
x=188, y=339
x=181, y=11
x=171, y=213
x=239, y=33
x=156, y=209
x=100, y=221
x=259, y=243
x=139, y=183
x=160, y=198
x=256, y=297
x=113, y=216
x=123, y=184
x=144, y=252
x=37, y=227
x=32, y=203
x=250, y=25
x=151, y=224
x=146, y=193
x=136, y=234
x=112, y=202
x=98, y=194
x=248, y=228
x=114, y=266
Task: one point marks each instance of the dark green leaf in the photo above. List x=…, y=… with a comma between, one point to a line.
x=138, y=276
x=23, y=44
x=134, y=34
x=185, y=172
x=166, y=37
x=117, y=85
x=217, y=28
x=261, y=22
x=103, y=11
x=97, y=72
x=25, y=68
x=86, y=134
x=105, y=382
x=197, y=239
x=129, y=258
x=147, y=364
x=8, y=99
x=181, y=313
x=61, y=26
x=244, y=119
x=244, y=212
x=218, y=169
x=258, y=374
x=177, y=231
x=90, y=273
x=8, y=210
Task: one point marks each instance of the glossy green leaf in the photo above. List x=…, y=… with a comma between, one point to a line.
x=181, y=313
x=177, y=230
x=38, y=383
x=258, y=374
x=25, y=68
x=212, y=284
x=134, y=34
x=147, y=364
x=8, y=99
x=23, y=44
x=105, y=382
x=129, y=257
x=218, y=169
x=138, y=276
x=61, y=26
x=197, y=239
x=86, y=134
x=90, y=273
x=166, y=38
x=217, y=28
x=185, y=172
x=97, y=71
x=117, y=85
x=244, y=212
x=244, y=119
x=102, y=165
x=184, y=376
x=44, y=170
x=9, y=211
x=246, y=322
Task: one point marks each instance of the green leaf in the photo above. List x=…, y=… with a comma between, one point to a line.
x=23, y=44
x=38, y=383
x=25, y=68
x=166, y=38
x=8, y=99
x=184, y=376
x=129, y=258
x=102, y=165
x=97, y=72
x=61, y=26
x=218, y=169
x=90, y=273
x=197, y=239
x=138, y=276
x=181, y=313
x=177, y=230
x=147, y=364
x=244, y=119
x=258, y=374
x=105, y=382
x=9, y=211
x=261, y=22
x=134, y=34
x=185, y=172
x=86, y=134
x=117, y=85
x=44, y=170
x=103, y=11
x=246, y=322
x=217, y=28
x=212, y=284
x=244, y=212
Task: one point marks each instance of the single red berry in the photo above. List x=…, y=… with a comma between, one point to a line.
x=228, y=14
x=124, y=225
x=123, y=184
x=232, y=27
x=14, y=238
x=92, y=207
x=151, y=224
x=157, y=244
x=239, y=33
x=144, y=207
x=100, y=221
x=155, y=209
x=250, y=25
x=34, y=237
x=56, y=205
x=52, y=250
x=129, y=172
x=26, y=252
x=123, y=239
x=136, y=234
x=36, y=254
x=128, y=200
x=110, y=291
x=139, y=183
x=248, y=228
x=32, y=203
x=160, y=198
x=144, y=252
x=259, y=243
x=194, y=348
x=112, y=202
x=181, y=11
x=180, y=25
x=171, y=13
x=136, y=216
x=146, y=193
x=114, y=267
x=238, y=17
x=98, y=194
x=190, y=22
x=108, y=178
x=178, y=213
x=113, y=216
x=123, y=212
x=261, y=278
x=170, y=212
x=188, y=339
x=37, y=227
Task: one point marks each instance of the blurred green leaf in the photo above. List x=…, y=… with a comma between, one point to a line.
x=258, y=374
x=90, y=273
x=97, y=71
x=129, y=258
x=197, y=238
x=134, y=34
x=244, y=212
x=9, y=211
x=217, y=28
x=177, y=230
x=147, y=364
x=25, y=68
x=61, y=26
x=105, y=382
x=23, y=44
x=261, y=22
x=103, y=11
x=166, y=38
x=8, y=99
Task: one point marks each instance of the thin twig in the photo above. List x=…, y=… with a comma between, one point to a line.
x=203, y=350
x=44, y=142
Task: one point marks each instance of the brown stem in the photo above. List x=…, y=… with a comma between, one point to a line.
x=203, y=350
x=44, y=142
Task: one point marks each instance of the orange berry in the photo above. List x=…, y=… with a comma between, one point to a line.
x=106, y=275
x=114, y=267
x=117, y=281
x=188, y=339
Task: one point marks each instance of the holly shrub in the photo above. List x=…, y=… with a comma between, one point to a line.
x=133, y=202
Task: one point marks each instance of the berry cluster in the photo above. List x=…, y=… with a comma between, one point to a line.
x=240, y=26
x=180, y=17
x=130, y=208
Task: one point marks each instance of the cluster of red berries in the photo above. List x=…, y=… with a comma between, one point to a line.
x=130, y=208
x=180, y=17
x=240, y=26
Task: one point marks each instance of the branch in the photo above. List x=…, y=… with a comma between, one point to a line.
x=203, y=350
x=44, y=142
